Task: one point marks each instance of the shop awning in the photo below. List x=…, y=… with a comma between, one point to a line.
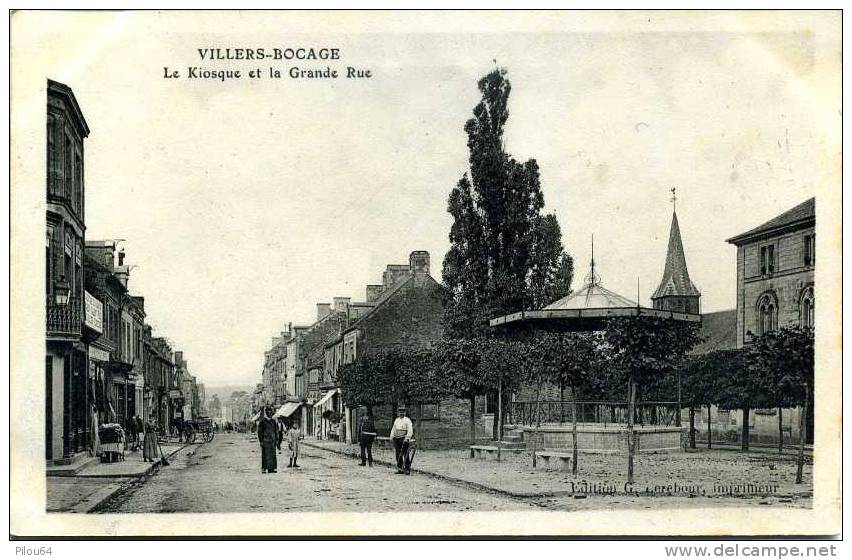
x=287, y=409
x=255, y=417
x=325, y=398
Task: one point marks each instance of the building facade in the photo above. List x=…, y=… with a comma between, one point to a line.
x=775, y=273
x=406, y=310
x=67, y=418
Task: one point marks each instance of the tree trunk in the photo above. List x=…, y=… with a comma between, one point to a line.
x=499, y=415
x=692, y=427
x=421, y=444
x=746, y=435
x=472, y=423
x=780, y=432
x=631, y=438
x=537, y=421
x=574, y=431
x=494, y=424
x=803, y=425
x=709, y=430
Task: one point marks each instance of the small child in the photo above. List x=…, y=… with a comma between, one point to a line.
x=294, y=434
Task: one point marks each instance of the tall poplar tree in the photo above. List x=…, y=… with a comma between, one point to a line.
x=505, y=255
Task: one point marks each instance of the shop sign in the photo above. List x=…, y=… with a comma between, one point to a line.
x=175, y=394
x=94, y=318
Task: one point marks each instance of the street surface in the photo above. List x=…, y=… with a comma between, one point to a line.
x=224, y=476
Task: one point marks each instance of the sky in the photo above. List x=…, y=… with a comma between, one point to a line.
x=244, y=203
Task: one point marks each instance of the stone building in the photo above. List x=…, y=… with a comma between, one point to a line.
x=66, y=393
x=775, y=273
x=159, y=378
x=406, y=310
x=775, y=287
x=124, y=320
x=274, y=373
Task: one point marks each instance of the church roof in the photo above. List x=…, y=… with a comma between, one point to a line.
x=675, y=280
x=801, y=214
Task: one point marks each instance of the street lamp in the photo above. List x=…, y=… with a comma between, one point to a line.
x=62, y=291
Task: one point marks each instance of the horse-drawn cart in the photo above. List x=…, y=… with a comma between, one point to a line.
x=200, y=428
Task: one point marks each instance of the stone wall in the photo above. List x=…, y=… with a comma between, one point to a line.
x=787, y=283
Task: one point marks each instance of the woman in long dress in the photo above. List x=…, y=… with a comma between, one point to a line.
x=96, y=439
x=149, y=448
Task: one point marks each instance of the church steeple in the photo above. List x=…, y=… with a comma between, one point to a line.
x=676, y=291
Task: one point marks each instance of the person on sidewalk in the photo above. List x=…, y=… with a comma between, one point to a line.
x=401, y=434
x=130, y=430
x=366, y=436
x=96, y=439
x=294, y=434
x=139, y=426
x=267, y=436
x=150, y=450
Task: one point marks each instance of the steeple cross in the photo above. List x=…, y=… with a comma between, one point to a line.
x=674, y=198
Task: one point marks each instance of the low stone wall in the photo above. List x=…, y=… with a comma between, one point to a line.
x=596, y=438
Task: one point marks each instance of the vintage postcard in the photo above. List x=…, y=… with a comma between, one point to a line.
x=425, y=273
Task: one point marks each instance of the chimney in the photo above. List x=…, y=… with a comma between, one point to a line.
x=418, y=261
x=394, y=272
x=341, y=303
x=178, y=357
x=122, y=273
x=323, y=309
x=374, y=291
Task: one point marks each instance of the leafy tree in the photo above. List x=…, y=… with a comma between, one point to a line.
x=787, y=355
x=645, y=348
x=739, y=386
x=502, y=364
x=504, y=254
x=369, y=380
x=699, y=381
x=461, y=375
x=568, y=359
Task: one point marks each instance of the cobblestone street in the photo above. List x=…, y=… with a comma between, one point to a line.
x=224, y=476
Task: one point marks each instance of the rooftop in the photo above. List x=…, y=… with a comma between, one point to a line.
x=719, y=331
x=801, y=214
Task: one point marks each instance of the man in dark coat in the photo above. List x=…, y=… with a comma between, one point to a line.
x=366, y=436
x=267, y=435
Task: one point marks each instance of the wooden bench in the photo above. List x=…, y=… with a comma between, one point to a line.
x=563, y=457
x=489, y=450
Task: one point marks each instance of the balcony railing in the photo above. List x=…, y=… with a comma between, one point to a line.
x=65, y=320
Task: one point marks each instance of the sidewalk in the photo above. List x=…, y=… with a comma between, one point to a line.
x=713, y=471
x=97, y=482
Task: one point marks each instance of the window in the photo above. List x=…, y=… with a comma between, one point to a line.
x=78, y=182
x=767, y=314
x=69, y=169
x=48, y=268
x=806, y=308
x=430, y=411
x=51, y=154
x=767, y=260
x=809, y=250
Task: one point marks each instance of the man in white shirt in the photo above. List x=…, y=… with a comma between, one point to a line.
x=401, y=434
